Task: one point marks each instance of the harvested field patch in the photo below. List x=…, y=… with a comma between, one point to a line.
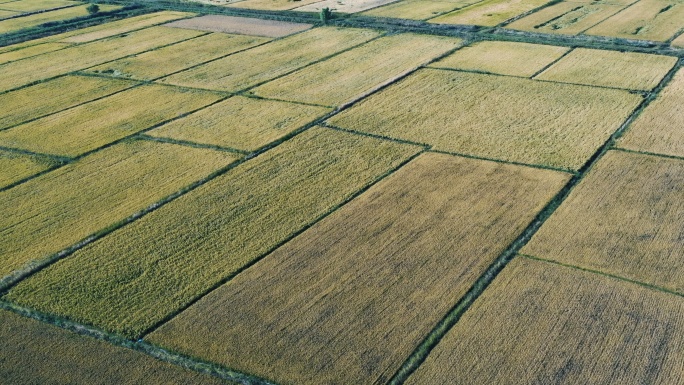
x=346, y=76
x=576, y=328
x=344, y=6
x=30, y=51
x=334, y=307
x=143, y=272
x=271, y=5
x=32, y=352
x=56, y=210
x=505, y=58
x=417, y=9
x=30, y=103
x=15, y=167
x=95, y=124
x=37, y=5
x=629, y=70
x=163, y=61
x=489, y=12
x=260, y=64
x=566, y=18
x=113, y=28
x=239, y=122
x=656, y=20
x=241, y=25
x=87, y=55
x=659, y=128
x=626, y=218
x=24, y=22
x=499, y=117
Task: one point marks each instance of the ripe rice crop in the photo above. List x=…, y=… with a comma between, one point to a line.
x=56, y=210
x=625, y=218
x=37, y=5
x=30, y=103
x=489, y=12
x=241, y=25
x=270, y=5
x=343, y=6
x=346, y=301
x=505, y=58
x=79, y=57
x=679, y=41
x=659, y=128
x=499, y=117
x=350, y=74
x=37, y=353
x=629, y=70
x=143, y=272
x=23, y=22
x=656, y=20
x=417, y=9
x=240, y=122
x=15, y=167
x=566, y=17
x=547, y=324
x=30, y=51
x=95, y=124
x=248, y=68
x=176, y=57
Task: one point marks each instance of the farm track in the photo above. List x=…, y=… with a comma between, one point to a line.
x=470, y=34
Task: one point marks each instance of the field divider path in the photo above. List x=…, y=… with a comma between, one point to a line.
x=22, y=14
x=666, y=156
x=625, y=7
x=552, y=63
x=153, y=351
x=422, y=351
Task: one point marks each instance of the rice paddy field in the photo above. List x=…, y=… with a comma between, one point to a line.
x=400, y=192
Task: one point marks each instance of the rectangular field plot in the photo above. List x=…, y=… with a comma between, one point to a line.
x=143, y=272
x=33, y=352
x=628, y=70
x=56, y=210
x=241, y=25
x=37, y=5
x=15, y=167
x=343, y=6
x=505, y=58
x=271, y=5
x=113, y=28
x=499, y=117
x=87, y=55
x=240, y=122
x=659, y=127
x=163, y=61
x=95, y=124
x=679, y=41
x=418, y=9
x=576, y=328
x=350, y=74
x=23, y=22
x=260, y=64
x=346, y=301
x=489, y=12
x=656, y=20
x=625, y=218
x=24, y=53
x=32, y=102
x=566, y=17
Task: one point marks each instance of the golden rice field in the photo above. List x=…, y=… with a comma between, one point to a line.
x=373, y=312
x=92, y=125
x=140, y=274
x=656, y=20
x=241, y=123
x=624, y=219
x=489, y=12
x=504, y=58
x=34, y=352
x=170, y=59
x=499, y=117
x=679, y=41
x=576, y=327
x=33, y=20
x=658, y=128
x=350, y=74
x=65, y=92
x=26, y=6
x=627, y=70
x=7, y=14
x=208, y=198
x=249, y=68
x=566, y=17
x=56, y=210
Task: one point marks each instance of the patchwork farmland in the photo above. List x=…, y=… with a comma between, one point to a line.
x=318, y=192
